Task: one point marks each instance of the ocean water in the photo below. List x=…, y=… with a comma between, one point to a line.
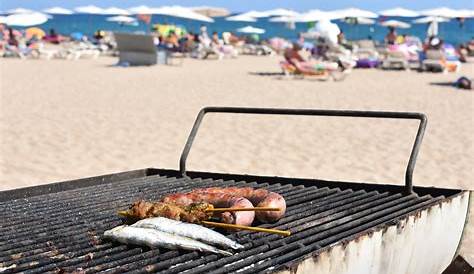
x=452, y=32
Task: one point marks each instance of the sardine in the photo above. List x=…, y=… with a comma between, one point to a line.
x=154, y=238
x=192, y=231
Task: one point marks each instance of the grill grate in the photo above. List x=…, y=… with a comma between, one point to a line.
x=62, y=232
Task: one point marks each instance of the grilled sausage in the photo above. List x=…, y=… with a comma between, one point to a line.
x=217, y=200
x=259, y=198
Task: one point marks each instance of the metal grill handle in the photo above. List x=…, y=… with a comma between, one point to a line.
x=316, y=112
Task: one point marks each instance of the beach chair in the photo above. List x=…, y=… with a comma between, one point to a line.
x=366, y=54
x=436, y=61
x=290, y=70
x=136, y=49
x=395, y=59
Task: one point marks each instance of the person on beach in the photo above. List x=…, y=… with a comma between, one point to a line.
x=293, y=57
x=391, y=36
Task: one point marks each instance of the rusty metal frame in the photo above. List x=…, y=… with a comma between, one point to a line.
x=316, y=112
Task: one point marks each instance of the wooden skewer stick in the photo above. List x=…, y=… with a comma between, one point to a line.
x=223, y=209
x=251, y=228
x=123, y=213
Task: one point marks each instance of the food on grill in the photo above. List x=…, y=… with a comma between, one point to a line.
x=192, y=213
x=218, y=196
x=217, y=200
x=192, y=231
x=155, y=238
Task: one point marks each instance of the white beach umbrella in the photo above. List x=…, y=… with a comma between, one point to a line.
x=250, y=29
x=115, y=11
x=429, y=19
x=399, y=12
x=26, y=19
x=465, y=13
x=241, y=18
x=211, y=11
x=3, y=19
x=316, y=15
x=19, y=11
x=182, y=12
x=283, y=19
x=395, y=24
x=353, y=13
x=91, y=9
x=359, y=20
x=58, y=10
x=141, y=10
x=325, y=29
x=255, y=14
x=441, y=12
x=280, y=12
x=121, y=19
x=433, y=24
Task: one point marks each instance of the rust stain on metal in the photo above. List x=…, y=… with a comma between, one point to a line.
x=397, y=247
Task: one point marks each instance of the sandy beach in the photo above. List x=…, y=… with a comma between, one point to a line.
x=61, y=120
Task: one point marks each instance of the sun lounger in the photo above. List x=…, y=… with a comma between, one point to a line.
x=395, y=59
x=323, y=74
x=436, y=61
x=136, y=49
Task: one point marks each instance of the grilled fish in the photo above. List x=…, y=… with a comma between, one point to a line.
x=154, y=238
x=192, y=231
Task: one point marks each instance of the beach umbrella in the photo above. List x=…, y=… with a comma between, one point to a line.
x=115, y=11
x=182, y=12
x=91, y=9
x=19, y=11
x=250, y=29
x=121, y=19
x=255, y=14
x=327, y=29
x=26, y=19
x=359, y=21
x=283, y=19
x=241, y=18
x=433, y=21
x=211, y=11
x=280, y=12
x=35, y=31
x=465, y=13
x=3, y=19
x=141, y=10
x=399, y=12
x=353, y=13
x=429, y=19
x=441, y=12
x=395, y=24
x=58, y=10
x=316, y=15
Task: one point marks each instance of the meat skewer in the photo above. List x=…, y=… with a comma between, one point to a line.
x=195, y=213
x=219, y=196
x=217, y=200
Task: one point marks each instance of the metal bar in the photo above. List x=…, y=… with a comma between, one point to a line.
x=316, y=112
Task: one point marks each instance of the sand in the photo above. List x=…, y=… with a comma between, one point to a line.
x=62, y=120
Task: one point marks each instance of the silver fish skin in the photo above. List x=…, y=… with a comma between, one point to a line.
x=192, y=231
x=154, y=238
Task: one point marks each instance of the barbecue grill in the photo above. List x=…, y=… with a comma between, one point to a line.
x=337, y=227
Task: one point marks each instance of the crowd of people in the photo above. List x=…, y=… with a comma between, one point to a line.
x=319, y=54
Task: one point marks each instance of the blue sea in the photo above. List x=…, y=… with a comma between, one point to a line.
x=452, y=32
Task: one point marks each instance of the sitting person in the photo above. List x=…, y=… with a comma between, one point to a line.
x=293, y=57
x=391, y=36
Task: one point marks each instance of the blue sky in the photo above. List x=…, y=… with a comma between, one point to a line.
x=244, y=5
